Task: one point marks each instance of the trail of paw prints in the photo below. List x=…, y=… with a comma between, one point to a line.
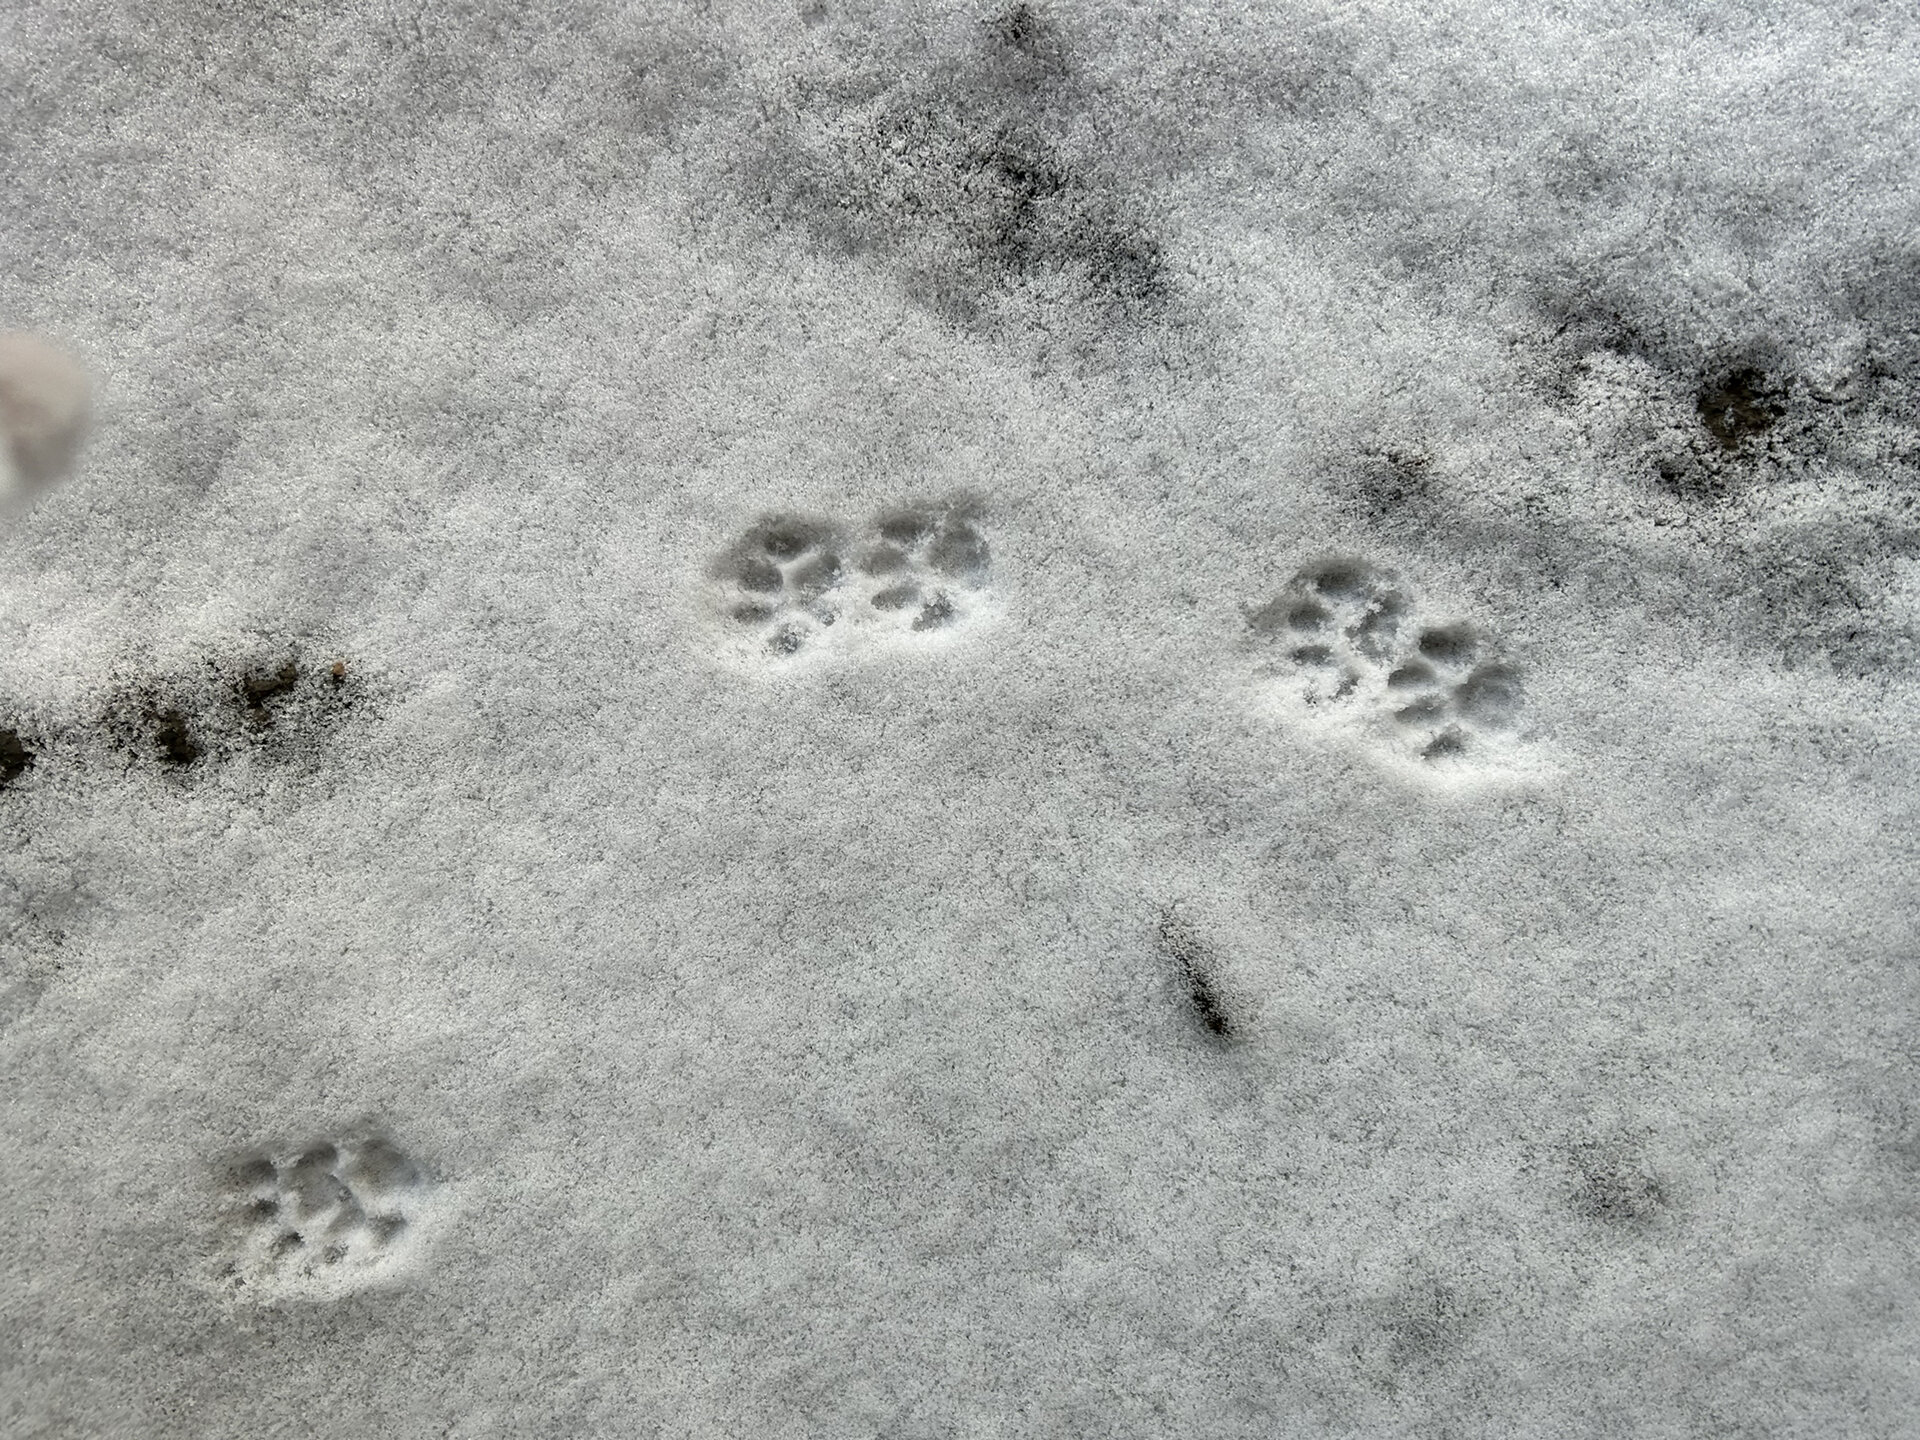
x=321, y=1221
x=1355, y=645
x=795, y=585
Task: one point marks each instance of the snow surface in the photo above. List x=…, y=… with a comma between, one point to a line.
x=501, y=934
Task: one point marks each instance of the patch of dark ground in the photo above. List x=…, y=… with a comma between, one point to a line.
x=982, y=179
x=284, y=704
x=1814, y=587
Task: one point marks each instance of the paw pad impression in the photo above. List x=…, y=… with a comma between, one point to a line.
x=1353, y=642
x=792, y=585
x=324, y=1219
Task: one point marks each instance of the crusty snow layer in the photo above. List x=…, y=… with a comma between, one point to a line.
x=922, y=721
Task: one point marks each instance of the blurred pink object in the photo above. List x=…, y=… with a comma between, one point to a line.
x=44, y=406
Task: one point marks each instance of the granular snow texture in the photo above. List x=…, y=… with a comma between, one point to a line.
x=919, y=721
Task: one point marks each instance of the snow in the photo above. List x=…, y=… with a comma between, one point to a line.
x=1076, y=998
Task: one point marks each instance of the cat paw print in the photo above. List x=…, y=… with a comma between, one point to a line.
x=793, y=585
x=923, y=565
x=1452, y=693
x=324, y=1220
x=781, y=583
x=1354, y=645
x=1338, y=624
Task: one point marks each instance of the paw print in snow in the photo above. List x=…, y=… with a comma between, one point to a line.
x=322, y=1221
x=923, y=563
x=1340, y=622
x=1455, y=690
x=781, y=580
x=1353, y=644
x=787, y=589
